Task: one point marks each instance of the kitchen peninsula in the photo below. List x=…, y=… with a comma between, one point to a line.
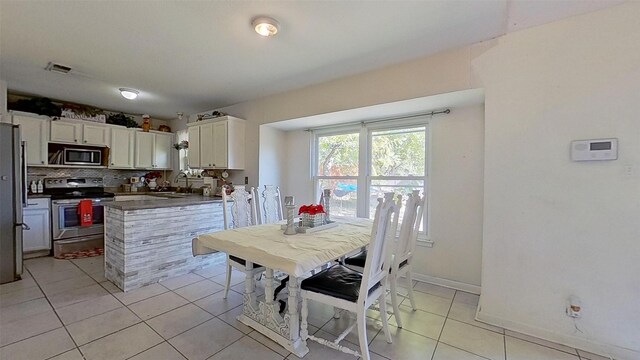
x=149, y=240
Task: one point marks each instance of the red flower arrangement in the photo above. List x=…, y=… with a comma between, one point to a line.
x=153, y=175
x=311, y=209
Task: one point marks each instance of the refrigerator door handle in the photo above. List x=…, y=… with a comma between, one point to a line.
x=23, y=165
x=20, y=177
x=24, y=226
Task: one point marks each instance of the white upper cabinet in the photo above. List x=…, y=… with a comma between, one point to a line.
x=221, y=145
x=144, y=150
x=162, y=151
x=207, y=157
x=95, y=135
x=35, y=133
x=122, y=148
x=66, y=132
x=194, y=147
x=217, y=144
x=153, y=150
x=80, y=133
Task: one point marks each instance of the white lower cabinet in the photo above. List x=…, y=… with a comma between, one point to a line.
x=36, y=215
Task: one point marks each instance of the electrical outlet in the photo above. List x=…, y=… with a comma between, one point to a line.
x=629, y=170
x=574, y=307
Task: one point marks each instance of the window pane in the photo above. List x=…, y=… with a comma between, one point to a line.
x=398, y=152
x=398, y=187
x=343, y=195
x=338, y=155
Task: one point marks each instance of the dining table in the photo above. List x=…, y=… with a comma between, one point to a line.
x=295, y=255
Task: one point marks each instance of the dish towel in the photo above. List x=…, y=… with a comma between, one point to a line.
x=85, y=210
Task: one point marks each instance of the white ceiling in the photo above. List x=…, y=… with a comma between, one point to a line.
x=190, y=56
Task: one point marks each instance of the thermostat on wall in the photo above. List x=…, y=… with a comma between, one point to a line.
x=592, y=150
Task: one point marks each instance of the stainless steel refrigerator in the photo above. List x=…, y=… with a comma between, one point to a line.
x=13, y=196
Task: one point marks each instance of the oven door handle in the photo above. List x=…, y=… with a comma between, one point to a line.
x=24, y=226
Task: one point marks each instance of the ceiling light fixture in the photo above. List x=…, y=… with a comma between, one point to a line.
x=129, y=94
x=265, y=26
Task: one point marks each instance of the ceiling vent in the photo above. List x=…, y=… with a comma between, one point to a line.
x=62, y=69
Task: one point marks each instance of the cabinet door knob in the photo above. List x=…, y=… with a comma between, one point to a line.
x=85, y=141
x=112, y=164
x=75, y=140
x=42, y=162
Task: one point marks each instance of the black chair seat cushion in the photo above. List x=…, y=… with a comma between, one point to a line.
x=360, y=259
x=337, y=281
x=243, y=261
x=357, y=260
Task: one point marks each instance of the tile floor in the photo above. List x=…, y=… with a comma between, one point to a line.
x=67, y=310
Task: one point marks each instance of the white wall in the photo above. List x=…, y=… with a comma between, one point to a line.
x=553, y=227
x=272, y=156
x=456, y=188
x=446, y=72
x=298, y=181
x=3, y=100
x=456, y=197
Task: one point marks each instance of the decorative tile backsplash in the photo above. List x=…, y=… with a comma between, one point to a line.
x=111, y=178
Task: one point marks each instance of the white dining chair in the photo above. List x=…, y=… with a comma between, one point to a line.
x=243, y=213
x=269, y=204
x=402, y=264
x=343, y=288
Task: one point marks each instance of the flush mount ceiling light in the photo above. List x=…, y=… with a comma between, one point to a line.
x=265, y=26
x=129, y=94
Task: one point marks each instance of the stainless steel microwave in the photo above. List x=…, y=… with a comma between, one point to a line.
x=73, y=156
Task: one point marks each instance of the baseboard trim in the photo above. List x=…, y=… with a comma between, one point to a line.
x=616, y=352
x=452, y=284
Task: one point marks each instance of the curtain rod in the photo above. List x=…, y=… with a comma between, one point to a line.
x=432, y=113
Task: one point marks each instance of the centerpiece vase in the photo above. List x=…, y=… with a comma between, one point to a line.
x=152, y=184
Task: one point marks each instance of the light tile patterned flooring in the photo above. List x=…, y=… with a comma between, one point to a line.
x=67, y=310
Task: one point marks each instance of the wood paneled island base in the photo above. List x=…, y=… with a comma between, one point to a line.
x=146, y=245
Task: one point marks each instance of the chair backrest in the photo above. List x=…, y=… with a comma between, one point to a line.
x=243, y=209
x=271, y=209
x=383, y=232
x=409, y=228
x=255, y=200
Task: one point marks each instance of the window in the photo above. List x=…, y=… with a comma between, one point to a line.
x=337, y=169
x=397, y=163
x=360, y=164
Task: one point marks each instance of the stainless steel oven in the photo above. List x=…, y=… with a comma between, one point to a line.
x=66, y=221
x=66, y=195
x=74, y=156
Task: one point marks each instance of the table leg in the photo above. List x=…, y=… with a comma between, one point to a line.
x=264, y=316
x=250, y=286
x=293, y=313
x=268, y=287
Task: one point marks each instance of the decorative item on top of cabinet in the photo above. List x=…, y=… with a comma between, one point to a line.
x=218, y=143
x=146, y=123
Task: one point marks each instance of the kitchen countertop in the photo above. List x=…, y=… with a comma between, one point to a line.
x=38, y=196
x=174, y=200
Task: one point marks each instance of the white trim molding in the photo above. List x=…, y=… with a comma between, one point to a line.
x=581, y=343
x=452, y=284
